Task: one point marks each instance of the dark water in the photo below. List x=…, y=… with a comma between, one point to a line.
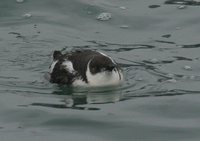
x=156, y=42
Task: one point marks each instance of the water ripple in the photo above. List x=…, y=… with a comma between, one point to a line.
x=143, y=78
x=183, y=2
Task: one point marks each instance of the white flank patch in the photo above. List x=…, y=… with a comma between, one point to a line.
x=68, y=65
x=79, y=82
x=104, y=16
x=52, y=66
x=105, y=78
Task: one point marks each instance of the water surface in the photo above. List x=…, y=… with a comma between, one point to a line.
x=156, y=43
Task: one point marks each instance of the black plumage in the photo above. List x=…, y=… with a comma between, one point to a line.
x=79, y=59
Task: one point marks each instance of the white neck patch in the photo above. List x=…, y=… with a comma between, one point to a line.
x=69, y=66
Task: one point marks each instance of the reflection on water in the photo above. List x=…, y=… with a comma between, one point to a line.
x=75, y=96
x=63, y=106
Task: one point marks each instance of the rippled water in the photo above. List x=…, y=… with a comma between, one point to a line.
x=156, y=43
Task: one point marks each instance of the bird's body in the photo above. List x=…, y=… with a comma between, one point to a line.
x=84, y=68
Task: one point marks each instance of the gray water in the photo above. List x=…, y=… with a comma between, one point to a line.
x=155, y=41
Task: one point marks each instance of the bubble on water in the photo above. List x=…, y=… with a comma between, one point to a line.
x=179, y=2
x=154, y=60
x=184, y=77
x=181, y=6
x=170, y=75
x=69, y=102
x=192, y=77
x=172, y=80
x=124, y=26
x=140, y=79
x=179, y=46
x=122, y=7
x=104, y=16
x=27, y=15
x=89, y=12
x=187, y=67
x=19, y=1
